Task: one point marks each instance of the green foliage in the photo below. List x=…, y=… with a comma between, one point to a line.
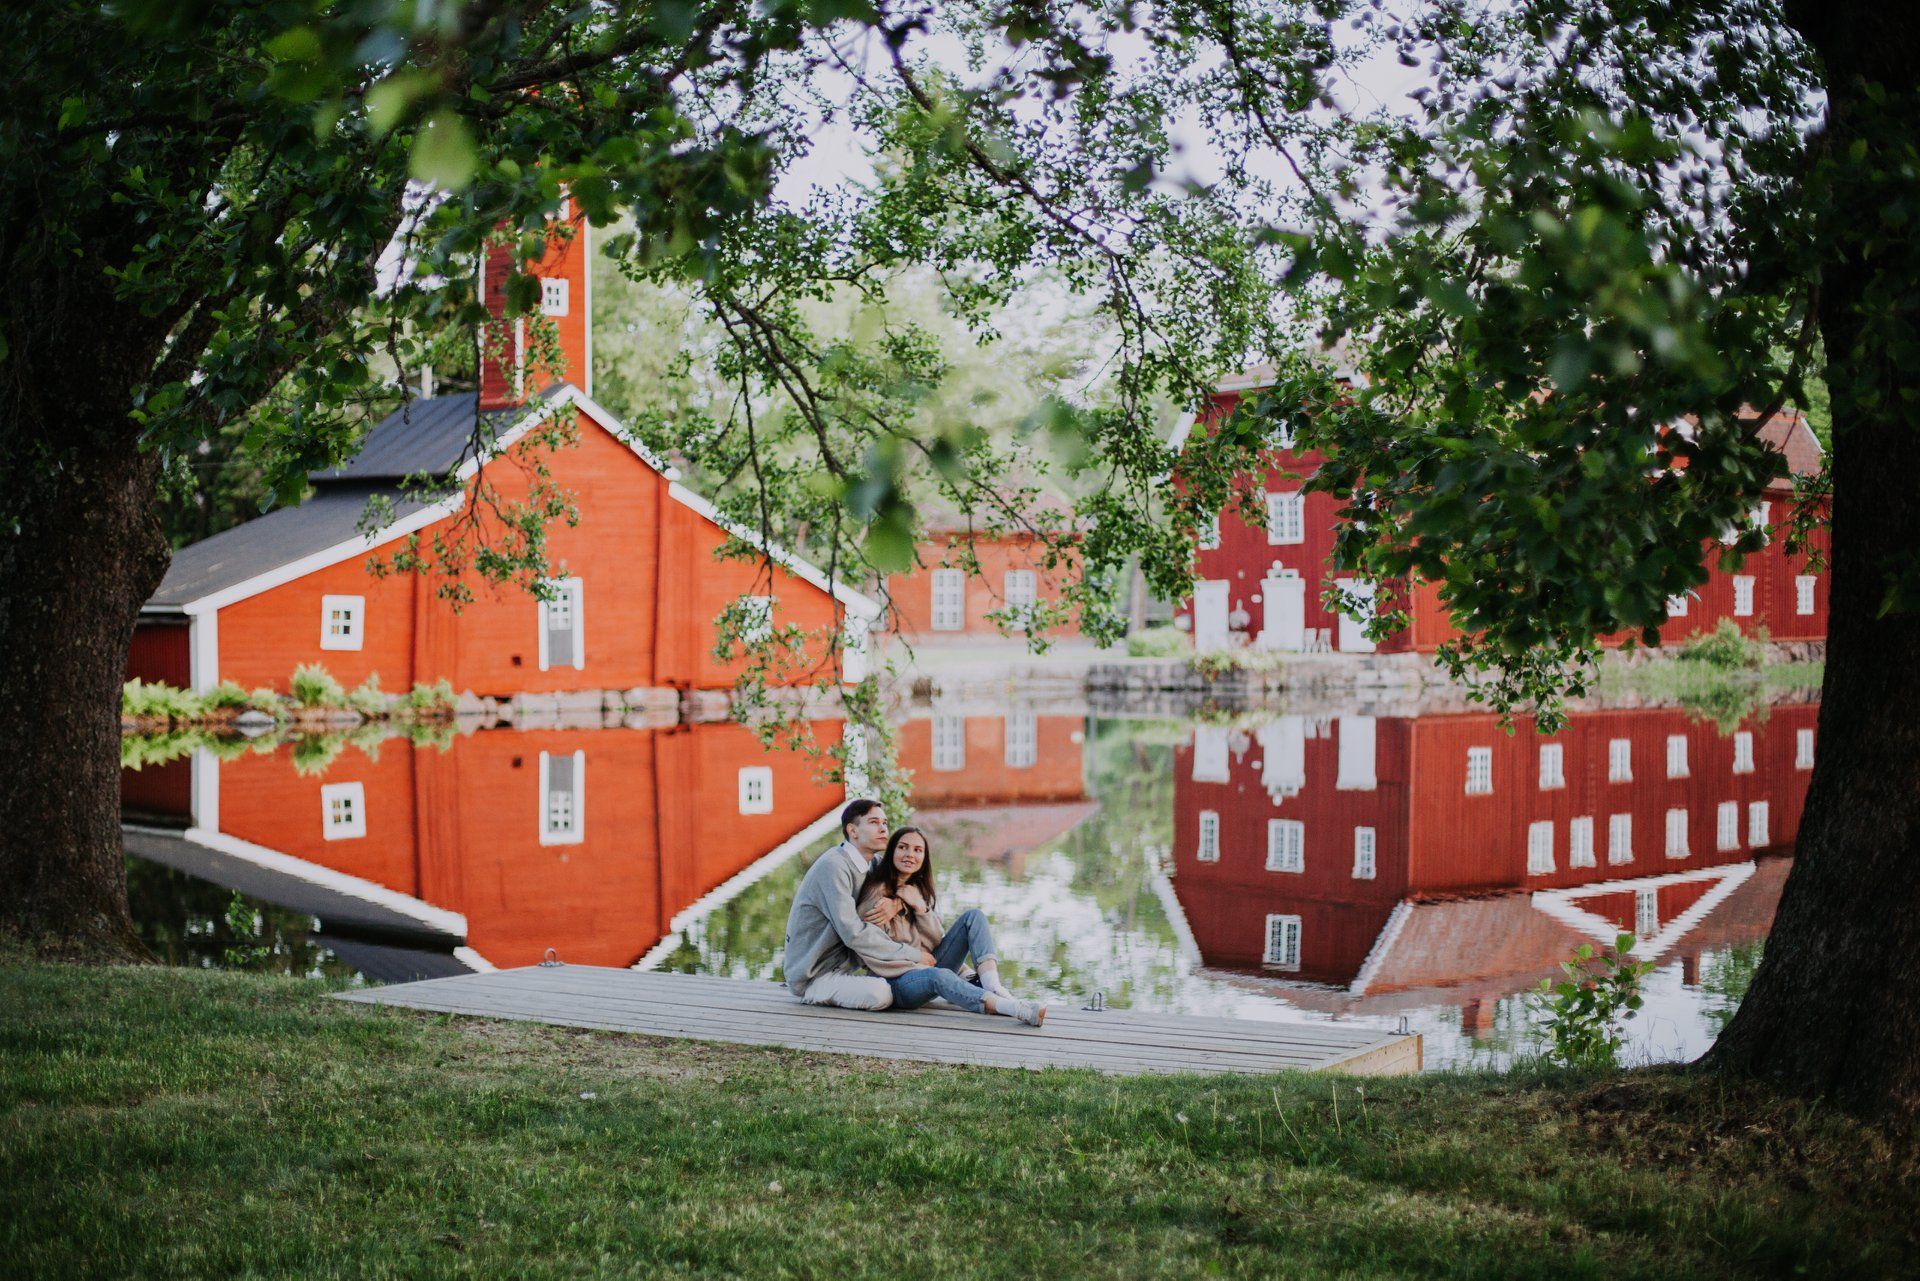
x=369, y=699
x=1159, y=642
x=244, y=924
x=144, y=700
x=228, y=696
x=423, y=697
x=314, y=754
x=1584, y=1010
x=312, y=685
x=1727, y=648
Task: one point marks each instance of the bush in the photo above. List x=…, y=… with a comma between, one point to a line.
x=369, y=699
x=430, y=698
x=1585, y=1009
x=314, y=686
x=140, y=699
x=1159, y=642
x=227, y=696
x=266, y=700
x=1726, y=647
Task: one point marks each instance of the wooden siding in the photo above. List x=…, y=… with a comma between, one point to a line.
x=1057, y=774
x=160, y=654
x=912, y=593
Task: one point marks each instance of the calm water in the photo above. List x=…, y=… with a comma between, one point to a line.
x=1359, y=867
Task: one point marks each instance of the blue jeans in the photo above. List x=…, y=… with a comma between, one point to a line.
x=967, y=936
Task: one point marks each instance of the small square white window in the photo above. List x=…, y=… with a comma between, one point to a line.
x=1620, y=760
x=1364, y=844
x=342, y=622
x=949, y=743
x=1553, y=766
x=1540, y=848
x=1620, y=838
x=1743, y=752
x=553, y=295
x=1803, y=594
x=1580, y=842
x=343, y=811
x=1023, y=740
x=1646, y=913
x=1479, y=771
x=1759, y=827
x=1208, y=851
x=1727, y=825
x=1022, y=593
x=561, y=619
x=1676, y=756
x=756, y=789
x=1677, y=834
x=1286, y=518
x=1803, y=749
x=563, y=804
x=1286, y=845
x=1677, y=605
x=1210, y=533
x=1743, y=595
x=949, y=600
x=1282, y=951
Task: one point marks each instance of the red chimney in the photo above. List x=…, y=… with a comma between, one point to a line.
x=510, y=371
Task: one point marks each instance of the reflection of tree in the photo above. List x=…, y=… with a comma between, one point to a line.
x=746, y=938
x=1724, y=976
x=183, y=921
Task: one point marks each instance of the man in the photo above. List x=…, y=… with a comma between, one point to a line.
x=827, y=943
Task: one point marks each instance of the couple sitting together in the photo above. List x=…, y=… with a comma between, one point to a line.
x=863, y=933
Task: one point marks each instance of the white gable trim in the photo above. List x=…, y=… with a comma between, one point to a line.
x=1561, y=905
x=299, y=869
x=857, y=603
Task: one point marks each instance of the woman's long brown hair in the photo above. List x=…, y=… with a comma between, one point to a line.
x=884, y=873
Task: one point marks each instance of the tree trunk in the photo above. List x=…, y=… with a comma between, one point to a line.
x=1834, y=1009
x=86, y=555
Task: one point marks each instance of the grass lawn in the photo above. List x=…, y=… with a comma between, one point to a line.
x=163, y=1122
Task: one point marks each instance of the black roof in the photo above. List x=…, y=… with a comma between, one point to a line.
x=427, y=437
x=331, y=517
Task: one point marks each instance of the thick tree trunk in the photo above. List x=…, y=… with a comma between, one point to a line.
x=1835, y=1007
x=87, y=553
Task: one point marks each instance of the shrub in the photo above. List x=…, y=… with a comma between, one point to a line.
x=266, y=700
x=1726, y=647
x=369, y=699
x=141, y=699
x=1159, y=642
x=1585, y=1009
x=430, y=698
x=314, y=686
x=315, y=753
x=228, y=695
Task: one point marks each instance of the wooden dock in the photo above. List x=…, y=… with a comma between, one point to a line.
x=701, y=1008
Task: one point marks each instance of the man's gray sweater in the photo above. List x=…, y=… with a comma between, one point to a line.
x=825, y=935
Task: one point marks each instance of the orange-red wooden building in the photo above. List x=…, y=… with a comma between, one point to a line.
x=1266, y=587
x=636, y=589
x=1307, y=847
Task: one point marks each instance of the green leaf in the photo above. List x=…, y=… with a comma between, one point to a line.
x=444, y=153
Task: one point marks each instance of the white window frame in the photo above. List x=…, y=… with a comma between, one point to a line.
x=1580, y=851
x=1212, y=755
x=1803, y=594
x=1726, y=826
x=1646, y=913
x=1677, y=606
x=1210, y=533
x=1366, y=850
x=555, y=295
x=1743, y=595
x=1207, y=848
x=1803, y=748
x=1540, y=848
x=949, y=742
x=1022, y=740
x=352, y=623
x=949, y=600
x=1020, y=595
x=1743, y=752
x=573, y=591
x=1479, y=771
x=1620, y=760
x=1759, y=825
x=1286, y=845
x=1619, y=839
x=1677, y=839
x=343, y=811
x=1553, y=766
x=756, y=789
x=1761, y=518
x=1280, y=945
x=574, y=832
x=1286, y=519
x=1677, y=756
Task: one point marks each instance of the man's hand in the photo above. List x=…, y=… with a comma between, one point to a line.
x=926, y=958
x=882, y=911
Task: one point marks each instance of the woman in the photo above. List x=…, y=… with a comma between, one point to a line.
x=898, y=897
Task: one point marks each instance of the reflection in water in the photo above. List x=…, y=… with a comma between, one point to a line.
x=1429, y=867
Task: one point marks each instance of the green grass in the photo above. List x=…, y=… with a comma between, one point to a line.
x=175, y=1123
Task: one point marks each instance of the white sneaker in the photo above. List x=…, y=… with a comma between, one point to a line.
x=1032, y=1013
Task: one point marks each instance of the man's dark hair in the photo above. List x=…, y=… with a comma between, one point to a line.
x=855, y=811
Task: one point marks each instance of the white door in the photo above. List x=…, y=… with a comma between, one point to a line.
x=1283, y=601
x=1353, y=637
x=1356, y=772
x=1210, y=614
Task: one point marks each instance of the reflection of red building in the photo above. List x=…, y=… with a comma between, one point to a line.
x=1017, y=758
x=585, y=841
x=942, y=600
x=1265, y=586
x=1307, y=848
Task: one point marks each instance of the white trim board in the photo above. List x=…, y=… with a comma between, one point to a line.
x=1559, y=904
x=299, y=869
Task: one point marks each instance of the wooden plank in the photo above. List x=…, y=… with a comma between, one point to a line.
x=709, y=1008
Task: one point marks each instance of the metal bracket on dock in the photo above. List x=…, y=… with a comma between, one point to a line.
x=1099, y=1002
x=552, y=959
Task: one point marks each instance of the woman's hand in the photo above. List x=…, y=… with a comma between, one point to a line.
x=881, y=911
